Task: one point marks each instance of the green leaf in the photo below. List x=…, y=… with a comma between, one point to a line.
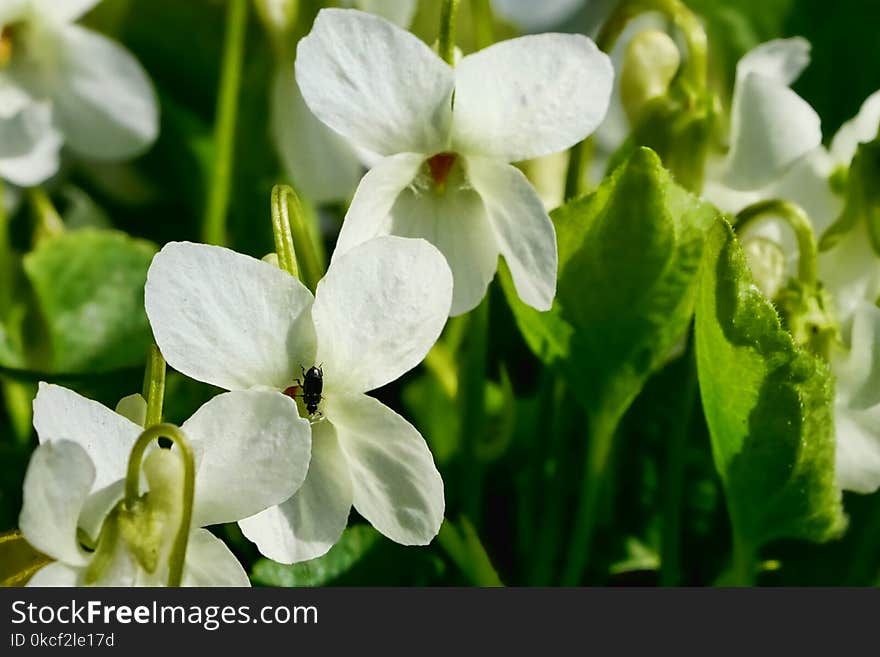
x=89, y=291
x=18, y=560
x=629, y=255
x=356, y=542
x=768, y=405
x=628, y=258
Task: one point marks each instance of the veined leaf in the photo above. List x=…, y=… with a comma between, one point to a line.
x=768, y=405
x=89, y=289
x=628, y=259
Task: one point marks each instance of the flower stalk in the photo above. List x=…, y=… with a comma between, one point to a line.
x=132, y=489
x=48, y=221
x=154, y=386
x=795, y=217
x=214, y=228
x=446, y=42
x=694, y=71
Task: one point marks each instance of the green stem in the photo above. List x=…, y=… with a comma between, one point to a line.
x=154, y=386
x=481, y=16
x=745, y=563
x=441, y=363
x=214, y=228
x=293, y=242
x=553, y=511
x=598, y=455
x=48, y=221
x=7, y=262
x=472, y=404
x=132, y=489
x=673, y=489
x=694, y=70
x=446, y=42
x=467, y=552
x=576, y=175
x=793, y=215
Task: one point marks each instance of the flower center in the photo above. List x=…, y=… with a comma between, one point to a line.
x=440, y=165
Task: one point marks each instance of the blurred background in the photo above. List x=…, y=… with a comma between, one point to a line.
x=512, y=466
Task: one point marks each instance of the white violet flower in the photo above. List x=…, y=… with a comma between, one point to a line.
x=447, y=136
x=251, y=451
x=60, y=82
x=240, y=323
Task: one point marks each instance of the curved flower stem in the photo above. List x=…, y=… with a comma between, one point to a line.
x=694, y=70
x=798, y=221
x=214, y=227
x=293, y=242
x=132, y=489
x=48, y=221
x=481, y=15
x=446, y=41
x=472, y=404
x=154, y=386
x=603, y=426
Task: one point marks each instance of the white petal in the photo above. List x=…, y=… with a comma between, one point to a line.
x=64, y=10
x=228, y=319
x=56, y=574
x=252, y=452
x=857, y=456
x=107, y=438
x=309, y=523
x=210, y=563
x=525, y=234
x=857, y=403
x=771, y=126
x=375, y=83
x=106, y=104
x=56, y=486
x=534, y=16
x=531, y=96
x=396, y=485
x=858, y=370
x=369, y=215
x=858, y=130
x=379, y=310
x=29, y=142
x=456, y=223
x=133, y=407
x=851, y=271
x=321, y=164
x=782, y=60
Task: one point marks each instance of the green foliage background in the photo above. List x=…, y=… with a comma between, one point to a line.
x=515, y=466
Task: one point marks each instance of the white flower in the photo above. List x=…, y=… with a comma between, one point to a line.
x=856, y=368
x=62, y=81
x=771, y=127
x=239, y=323
x=447, y=135
x=29, y=143
x=251, y=451
x=322, y=165
x=850, y=271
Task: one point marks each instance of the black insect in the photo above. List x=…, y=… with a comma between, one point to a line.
x=312, y=386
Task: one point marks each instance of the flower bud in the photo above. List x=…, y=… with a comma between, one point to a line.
x=650, y=63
